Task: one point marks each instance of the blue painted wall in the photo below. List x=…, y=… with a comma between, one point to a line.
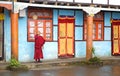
x=66, y=12
x=79, y=18
x=78, y=33
x=55, y=17
x=107, y=33
x=102, y=48
x=116, y=15
x=80, y=49
x=107, y=17
x=7, y=36
x=26, y=49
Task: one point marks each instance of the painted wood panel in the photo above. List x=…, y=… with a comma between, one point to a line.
x=66, y=12
x=79, y=18
x=7, y=35
x=115, y=15
x=107, y=33
x=107, y=18
x=102, y=48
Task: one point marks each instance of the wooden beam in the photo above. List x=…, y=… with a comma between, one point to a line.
x=89, y=37
x=14, y=35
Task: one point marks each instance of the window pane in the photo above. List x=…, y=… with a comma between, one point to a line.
x=31, y=35
x=40, y=23
x=99, y=26
x=32, y=13
x=93, y=36
x=39, y=14
x=47, y=24
x=99, y=36
x=41, y=34
x=46, y=14
x=32, y=23
x=47, y=36
x=47, y=30
x=40, y=30
x=32, y=30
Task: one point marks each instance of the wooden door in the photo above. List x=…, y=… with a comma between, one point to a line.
x=66, y=36
x=115, y=39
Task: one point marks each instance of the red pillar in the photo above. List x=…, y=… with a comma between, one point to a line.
x=89, y=37
x=14, y=35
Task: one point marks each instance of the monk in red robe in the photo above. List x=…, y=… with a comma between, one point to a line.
x=39, y=42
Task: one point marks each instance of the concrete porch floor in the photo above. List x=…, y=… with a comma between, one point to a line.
x=52, y=64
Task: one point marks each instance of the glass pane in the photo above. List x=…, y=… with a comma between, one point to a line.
x=41, y=34
x=47, y=36
x=46, y=14
x=94, y=36
x=99, y=31
x=40, y=30
x=47, y=30
x=31, y=35
x=94, y=26
x=32, y=30
x=94, y=31
x=40, y=23
x=99, y=36
x=47, y=24
x=99, y=26
x=32, y=13
x=32, y=23
x=39, y=14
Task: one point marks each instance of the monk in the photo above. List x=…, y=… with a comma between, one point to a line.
x=39, y=42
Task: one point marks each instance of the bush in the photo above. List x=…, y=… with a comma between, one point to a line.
x=14, y=65
x=94, y=60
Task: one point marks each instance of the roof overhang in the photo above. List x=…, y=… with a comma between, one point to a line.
x=21, y=5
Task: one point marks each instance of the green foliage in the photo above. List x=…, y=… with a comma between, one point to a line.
x=14, y=65
x=94, y=60
x=93, y=50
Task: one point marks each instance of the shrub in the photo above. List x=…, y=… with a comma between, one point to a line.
x=14, y=65
x=94, y=60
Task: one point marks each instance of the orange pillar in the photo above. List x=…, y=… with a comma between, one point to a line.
x=89, y=37
x=14, y=35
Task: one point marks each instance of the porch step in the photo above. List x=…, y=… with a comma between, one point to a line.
x=60, y=63
x=52, y=64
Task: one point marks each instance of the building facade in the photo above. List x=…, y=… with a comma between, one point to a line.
x=70, y=29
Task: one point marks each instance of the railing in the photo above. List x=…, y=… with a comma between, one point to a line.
x=95, y=2
x=102, y=2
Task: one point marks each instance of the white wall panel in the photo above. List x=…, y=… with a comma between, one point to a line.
x=114, y=2
x=83, y=1
x=65, y=0
x=100, y=1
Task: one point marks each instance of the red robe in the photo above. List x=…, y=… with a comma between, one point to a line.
x=39, y=41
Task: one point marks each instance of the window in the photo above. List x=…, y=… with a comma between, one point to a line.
x=97, y=27
x=40, y=21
